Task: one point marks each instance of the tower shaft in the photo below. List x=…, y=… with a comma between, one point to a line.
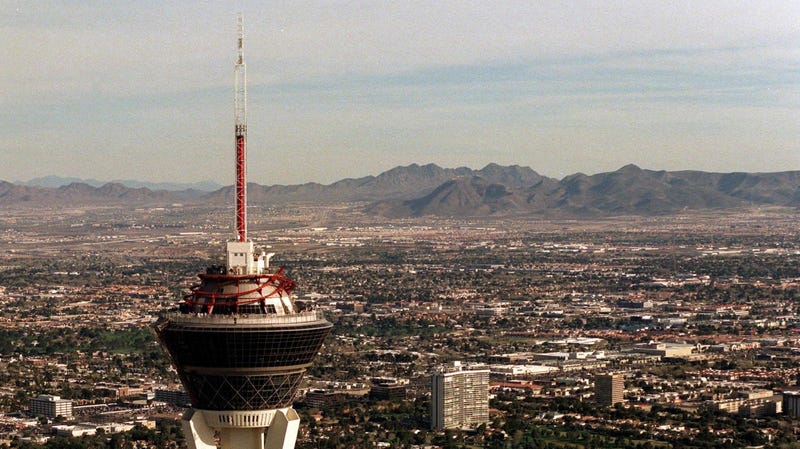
x=240, y=122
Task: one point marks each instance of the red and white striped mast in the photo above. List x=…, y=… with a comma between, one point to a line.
x=242, y=258
x=240, y=122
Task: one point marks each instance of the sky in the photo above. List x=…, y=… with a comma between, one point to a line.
x=342, y=89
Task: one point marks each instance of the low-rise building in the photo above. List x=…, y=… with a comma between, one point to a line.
x=51, y=406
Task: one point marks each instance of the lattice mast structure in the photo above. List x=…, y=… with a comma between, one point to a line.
x=239, y=341
x=240, y=123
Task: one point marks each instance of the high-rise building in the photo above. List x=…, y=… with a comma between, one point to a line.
x=791, y=403
x=51, y=406
x=609, y=389
x=239, y=342
x=459, y=396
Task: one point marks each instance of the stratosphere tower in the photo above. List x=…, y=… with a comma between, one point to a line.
x=238, y=340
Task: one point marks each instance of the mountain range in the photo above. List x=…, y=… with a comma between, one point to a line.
x=420, y=190
x=60, y=181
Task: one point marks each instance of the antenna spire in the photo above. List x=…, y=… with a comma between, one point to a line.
x=240, y=122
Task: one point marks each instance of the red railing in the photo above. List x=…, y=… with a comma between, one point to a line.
x=276, y=284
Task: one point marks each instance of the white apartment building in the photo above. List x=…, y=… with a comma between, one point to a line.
x=459, y=396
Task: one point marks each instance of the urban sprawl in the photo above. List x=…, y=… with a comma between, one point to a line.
x=625, y=332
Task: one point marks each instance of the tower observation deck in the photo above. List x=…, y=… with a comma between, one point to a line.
x=238, y=340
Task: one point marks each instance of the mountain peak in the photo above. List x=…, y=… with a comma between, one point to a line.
x=463, y=196
x=630, y=168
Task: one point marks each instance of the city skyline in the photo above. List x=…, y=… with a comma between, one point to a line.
x=348, y=89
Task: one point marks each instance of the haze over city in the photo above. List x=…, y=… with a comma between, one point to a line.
x=346, y=89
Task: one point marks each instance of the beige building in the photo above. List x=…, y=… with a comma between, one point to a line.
x=459, y=396
x=51, y=406
x=665, y=349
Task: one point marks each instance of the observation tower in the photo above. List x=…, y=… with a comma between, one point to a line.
x=239, y=341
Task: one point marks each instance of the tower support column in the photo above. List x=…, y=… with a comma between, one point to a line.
x=242, y=438
x=280, y=434
x=197, y=433
x=283, y=431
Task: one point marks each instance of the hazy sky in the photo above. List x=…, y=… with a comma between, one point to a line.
x=144, y=90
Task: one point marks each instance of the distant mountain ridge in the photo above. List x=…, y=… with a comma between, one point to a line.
x=629, y=190
x=495, y=190
x=405, y=182
x=54, y=182
x=80, y=194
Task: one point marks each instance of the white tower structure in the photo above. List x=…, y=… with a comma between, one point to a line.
x=239, y=342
